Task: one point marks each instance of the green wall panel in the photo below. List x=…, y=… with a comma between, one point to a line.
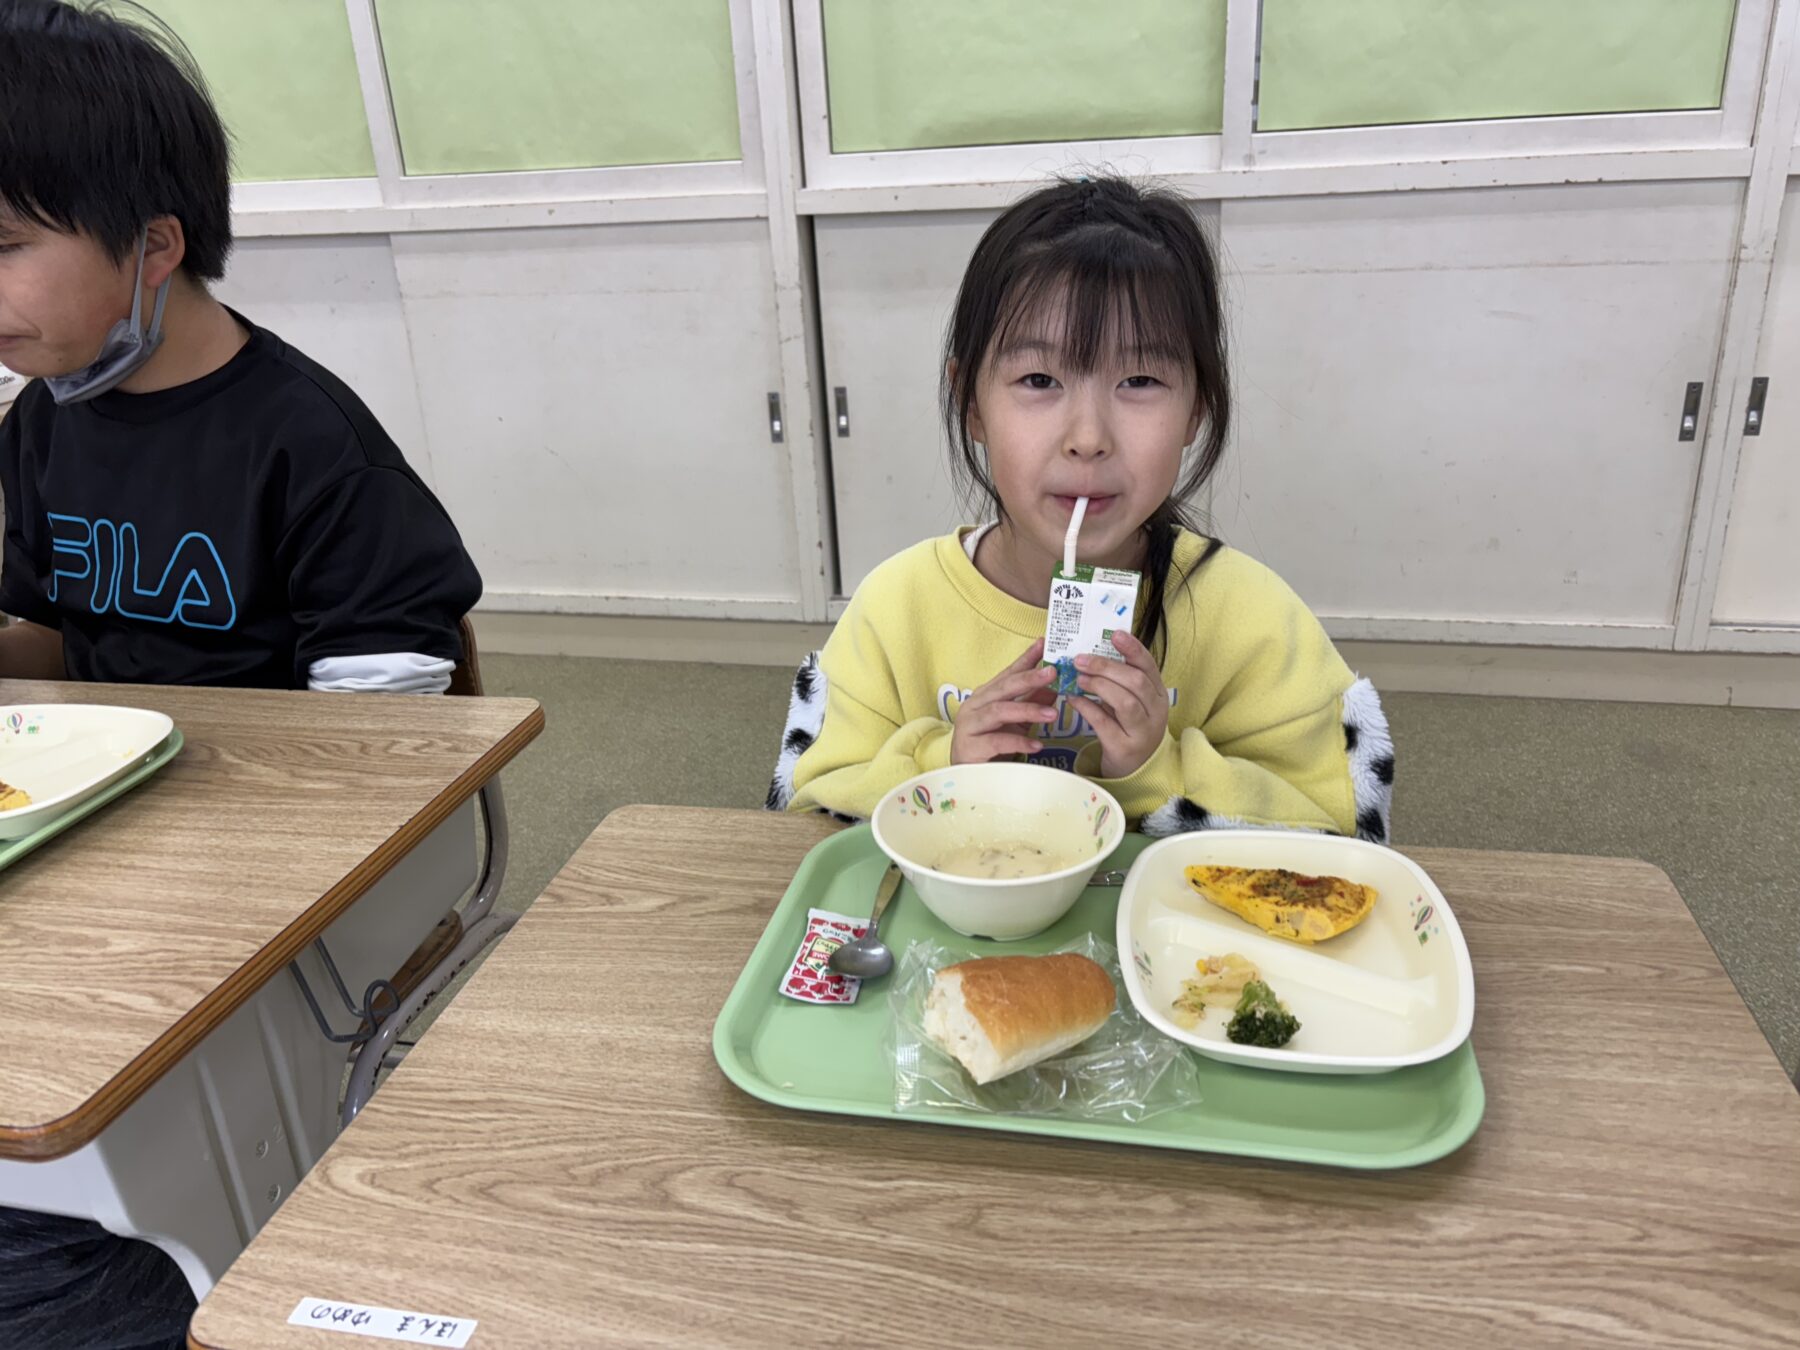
x=283, y=74
x=930, y=73
x=481, y=86
x=1347, y=63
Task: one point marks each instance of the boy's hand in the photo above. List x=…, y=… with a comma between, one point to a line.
x=1133, y=712
x=998, y=717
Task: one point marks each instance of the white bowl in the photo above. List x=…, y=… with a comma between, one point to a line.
x=936, y=813
x=1397, y=989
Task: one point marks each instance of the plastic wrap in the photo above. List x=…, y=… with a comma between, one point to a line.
x=1127, y=1071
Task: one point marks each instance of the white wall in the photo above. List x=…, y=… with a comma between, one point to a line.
x=1464, y=405
x=1759, y=580
x=590, y=403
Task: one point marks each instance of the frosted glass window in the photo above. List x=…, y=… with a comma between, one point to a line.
x=283, y=74
x=932, y=73
x=481, y=86
x=1352, y=63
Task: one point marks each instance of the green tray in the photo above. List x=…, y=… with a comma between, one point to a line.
x=18, y=848
x=831, y=1058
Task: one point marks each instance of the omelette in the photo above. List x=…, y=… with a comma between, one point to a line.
x=1283, y=903
x=12, y=798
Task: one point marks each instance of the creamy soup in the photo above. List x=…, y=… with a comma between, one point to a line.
x=1003, y=862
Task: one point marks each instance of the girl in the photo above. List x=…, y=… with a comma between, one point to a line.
x=1086, y=358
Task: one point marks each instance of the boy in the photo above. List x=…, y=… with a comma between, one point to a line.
x=188, y=500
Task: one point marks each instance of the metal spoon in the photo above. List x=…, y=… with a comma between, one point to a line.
x=868, y=958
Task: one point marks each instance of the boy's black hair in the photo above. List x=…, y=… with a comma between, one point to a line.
x=105, y=123
x=1113, y=264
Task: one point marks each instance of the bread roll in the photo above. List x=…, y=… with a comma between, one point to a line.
x=1001, y=1014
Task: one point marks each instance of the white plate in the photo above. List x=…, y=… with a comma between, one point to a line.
x=1395, y=990
x=64, y=753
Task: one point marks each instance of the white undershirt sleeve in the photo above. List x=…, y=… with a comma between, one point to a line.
x=380, y=673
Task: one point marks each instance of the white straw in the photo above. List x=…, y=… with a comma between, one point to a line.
x=1073, y=534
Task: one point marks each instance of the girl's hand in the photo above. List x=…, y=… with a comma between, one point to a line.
x=1133, y=712
x=996, y=719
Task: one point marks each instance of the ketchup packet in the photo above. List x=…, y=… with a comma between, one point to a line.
x=809, y=979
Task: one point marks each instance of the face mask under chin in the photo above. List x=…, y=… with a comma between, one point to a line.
x=126, y=348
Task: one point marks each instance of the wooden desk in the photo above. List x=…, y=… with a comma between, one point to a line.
x=562, y=1160
x=128, y=939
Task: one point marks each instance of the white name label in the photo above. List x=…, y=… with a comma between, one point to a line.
x=389, y=1324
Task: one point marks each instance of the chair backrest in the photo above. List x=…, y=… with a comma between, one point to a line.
x=466, y=678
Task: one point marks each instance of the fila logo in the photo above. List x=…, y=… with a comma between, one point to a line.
x=102, y=564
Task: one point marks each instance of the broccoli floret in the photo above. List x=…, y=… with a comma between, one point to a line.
x=1261, y=1018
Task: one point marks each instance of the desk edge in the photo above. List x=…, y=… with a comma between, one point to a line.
x=60, y=1137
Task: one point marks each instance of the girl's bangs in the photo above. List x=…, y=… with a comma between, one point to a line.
x=1098, y=299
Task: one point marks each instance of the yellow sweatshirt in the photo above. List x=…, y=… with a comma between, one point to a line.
x=1267, y=726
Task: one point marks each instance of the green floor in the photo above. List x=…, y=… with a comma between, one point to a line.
x=1712, y=795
